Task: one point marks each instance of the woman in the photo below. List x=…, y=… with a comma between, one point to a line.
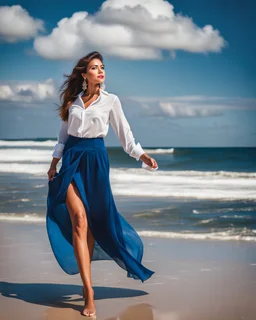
x=83, y=223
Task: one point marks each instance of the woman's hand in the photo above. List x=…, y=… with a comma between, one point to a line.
x=148, y=160
x=51, y=172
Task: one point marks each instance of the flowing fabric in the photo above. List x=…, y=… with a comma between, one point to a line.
x=86, y=162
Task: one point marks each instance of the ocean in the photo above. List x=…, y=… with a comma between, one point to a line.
x=197, y=193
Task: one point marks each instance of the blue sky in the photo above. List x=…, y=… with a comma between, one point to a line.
x=187, y=86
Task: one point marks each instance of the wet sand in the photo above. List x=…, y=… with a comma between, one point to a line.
x=194, y=280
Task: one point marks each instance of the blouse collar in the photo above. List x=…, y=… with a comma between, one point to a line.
x=79, y=100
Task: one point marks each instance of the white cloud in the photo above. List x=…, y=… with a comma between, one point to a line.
x=192, y=106
x=27, y=93
x=174, y=111
x=155, y=8
x=16, y=24
x=129, y=29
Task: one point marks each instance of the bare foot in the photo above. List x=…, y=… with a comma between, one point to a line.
x=89, y=309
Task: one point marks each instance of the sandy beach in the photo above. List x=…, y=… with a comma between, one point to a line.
x=194, y=279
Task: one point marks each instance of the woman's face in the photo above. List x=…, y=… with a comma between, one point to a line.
x=95, y=72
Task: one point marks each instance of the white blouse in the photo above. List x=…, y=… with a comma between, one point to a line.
x=94, y=120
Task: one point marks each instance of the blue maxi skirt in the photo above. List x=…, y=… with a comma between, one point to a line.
x=86, y=162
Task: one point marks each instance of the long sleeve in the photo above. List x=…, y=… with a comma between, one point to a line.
x=123, y=131
x=62, y=138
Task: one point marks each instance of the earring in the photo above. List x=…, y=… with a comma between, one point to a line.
x=84, y=84
x=102, y=86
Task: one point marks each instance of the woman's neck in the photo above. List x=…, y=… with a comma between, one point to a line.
x=92, y=90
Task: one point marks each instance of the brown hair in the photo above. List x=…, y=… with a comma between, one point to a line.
x=72, y=86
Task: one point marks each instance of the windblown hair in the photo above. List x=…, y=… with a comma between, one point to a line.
x=72, y=86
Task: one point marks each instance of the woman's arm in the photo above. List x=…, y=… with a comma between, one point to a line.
x=62, y=138
x=123, y=131
x=58, y=149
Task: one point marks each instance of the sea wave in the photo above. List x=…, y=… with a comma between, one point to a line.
x=15, y=217
x=231, y=234
x=184, y=184
x=37, y=169
x=25, y=143
x=178, y=184
x=225, y=210
x=198, y=184
x=25, y=155
x=159, y=150
x=242, y=234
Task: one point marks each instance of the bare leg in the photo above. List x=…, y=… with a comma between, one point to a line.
x=90, y=241
x=81, y=236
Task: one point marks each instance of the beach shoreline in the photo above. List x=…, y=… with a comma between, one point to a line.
x=194, y=279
